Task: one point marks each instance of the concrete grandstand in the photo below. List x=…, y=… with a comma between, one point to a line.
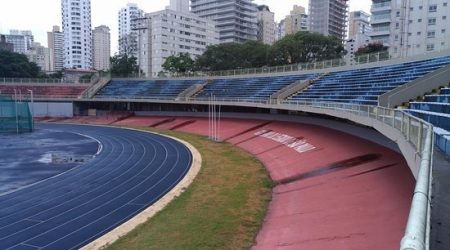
x=347, y=146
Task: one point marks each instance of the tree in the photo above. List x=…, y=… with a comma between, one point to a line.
x=371, y=48
x=180, y=63
x=305, y=47
x=233, y=55
x=17, y=65
x=124, y=66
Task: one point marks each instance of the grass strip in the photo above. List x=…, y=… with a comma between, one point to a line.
x=222, y=209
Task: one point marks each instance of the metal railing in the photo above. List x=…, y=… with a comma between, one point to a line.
x=420, y=135
x=363, y=59
x=4, y=80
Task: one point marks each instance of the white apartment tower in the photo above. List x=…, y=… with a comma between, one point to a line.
x=296, y=21
x=127, y=33
x=55, y=40
x=21, y=39
x=328, y=17
x=266, y=25
x=235, y=19
x=101, y=38
x=411, y=27
x=76, y=15
x=169, y=32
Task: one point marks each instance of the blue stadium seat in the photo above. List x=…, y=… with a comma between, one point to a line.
x=136, y=89
x=256, y=88
x=363, y=86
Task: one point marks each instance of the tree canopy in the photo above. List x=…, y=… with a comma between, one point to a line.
x=17, y=65
x=124, y=66
x=305, y=47
x=179, y=63
x=233, y=55
x=302, y=47
x=371, y=48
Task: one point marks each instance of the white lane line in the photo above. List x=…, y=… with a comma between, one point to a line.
x=99, y=208
x=99, y=149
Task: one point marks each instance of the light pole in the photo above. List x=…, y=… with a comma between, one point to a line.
x=17, y=115
x=32, y=109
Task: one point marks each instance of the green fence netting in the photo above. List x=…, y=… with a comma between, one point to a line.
x=15, y=117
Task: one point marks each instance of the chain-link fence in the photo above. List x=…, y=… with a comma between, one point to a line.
x=15, y=116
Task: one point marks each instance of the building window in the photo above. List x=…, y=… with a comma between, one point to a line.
x=432, y=21
x=419, y=20
x=442, y=30
x=431, y=34
x=419, y=33
x=430, y=47
x=444, y=17
x=397, y=14
x=432, y=8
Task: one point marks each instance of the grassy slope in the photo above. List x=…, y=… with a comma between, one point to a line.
x=222, y=209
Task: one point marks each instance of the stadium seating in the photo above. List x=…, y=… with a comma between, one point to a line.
x=160, y=89
x=363, y=86
x=436, y=110
x=45, y=91
x=254, y=88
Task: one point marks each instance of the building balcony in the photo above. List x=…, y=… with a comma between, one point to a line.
x=380, y=7
x=380, y=32
x=379, y=19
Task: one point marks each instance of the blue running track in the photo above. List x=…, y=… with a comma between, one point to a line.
x=133, y=170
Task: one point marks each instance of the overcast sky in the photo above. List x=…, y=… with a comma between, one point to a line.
x=40, y=15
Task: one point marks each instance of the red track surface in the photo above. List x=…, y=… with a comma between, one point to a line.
x=346, y=193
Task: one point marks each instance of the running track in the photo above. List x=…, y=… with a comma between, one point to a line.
x=133, y=170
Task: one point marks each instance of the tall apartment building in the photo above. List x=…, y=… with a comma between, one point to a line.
x=266, y=25
x=358, y=33
x=55, y=40
x=281, y=31
x=39, y=55
x=127, y=33
x=22, y=40
x=235, y=19
x=76, y=21
x=328, y=17
x=296, y=21
x=101, y=45
x=5, y=45
x=169, y=32
x=411, y=27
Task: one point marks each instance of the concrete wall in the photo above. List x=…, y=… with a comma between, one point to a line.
x=53, y=109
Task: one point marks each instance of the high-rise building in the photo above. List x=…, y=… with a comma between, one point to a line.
x=5, y=45
x=101, y=47
x=266, y=25
x=127, y=33
x=39, y=55
x=358, y=33
x=235, y=19
x=328, y=17
x=296, y=21
x=411, y=27
x=22, y=40
x=281, y=31
x=76, y=21
x=55, y=40
x=169, y=32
